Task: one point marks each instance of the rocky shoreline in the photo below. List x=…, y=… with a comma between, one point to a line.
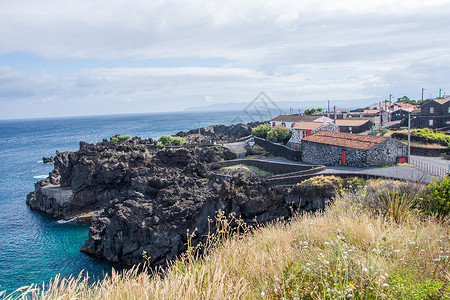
x=151, y=196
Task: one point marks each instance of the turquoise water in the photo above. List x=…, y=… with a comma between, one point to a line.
x=33, y=246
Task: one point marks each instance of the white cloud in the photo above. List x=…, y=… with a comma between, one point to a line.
x=292, y=49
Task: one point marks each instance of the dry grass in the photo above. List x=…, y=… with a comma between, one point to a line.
x=345, y=252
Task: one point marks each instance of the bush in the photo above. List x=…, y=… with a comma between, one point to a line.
x=166, y=140
x=261, y=130
x=118, y=138
x=435, y=199
x=279, y=134
x=431, y=135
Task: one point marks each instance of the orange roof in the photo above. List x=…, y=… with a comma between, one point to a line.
x=441, y=101
x=351, y=122
x=363, y=142
x=307, y=125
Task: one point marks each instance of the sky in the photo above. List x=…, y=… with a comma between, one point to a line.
x=91, y=57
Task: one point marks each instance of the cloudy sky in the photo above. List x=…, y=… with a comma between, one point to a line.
x=89, y=57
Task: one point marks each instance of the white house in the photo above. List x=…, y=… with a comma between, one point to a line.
x=304, y=129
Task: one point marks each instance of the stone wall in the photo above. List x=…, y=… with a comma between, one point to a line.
x=331, y=155
x=279, y=150
x=434, y=152
x=385, y=153
x=277, y=168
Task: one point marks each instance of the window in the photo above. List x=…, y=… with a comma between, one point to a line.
x=431, y=110
x=447, y=123
x=449, y=109
x=430, y=123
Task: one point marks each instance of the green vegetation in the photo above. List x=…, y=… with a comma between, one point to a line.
x=432, y=135
x=118, y=138
x=261, y=130
x=279, y=134
x=406, y=99
x=311, y=111
x=435, y=199
x=170, y=140
x=375, y=130
x=369, y=244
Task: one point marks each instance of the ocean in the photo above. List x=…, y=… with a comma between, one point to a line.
x=34, y=247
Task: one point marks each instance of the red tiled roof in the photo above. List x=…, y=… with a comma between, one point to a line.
x=363, y=142
x=307, y=125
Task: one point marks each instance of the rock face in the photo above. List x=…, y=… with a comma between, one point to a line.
x=156, y=219
x=219, y=133
x=152, y=196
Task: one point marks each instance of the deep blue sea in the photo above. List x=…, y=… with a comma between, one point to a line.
x=33, y=246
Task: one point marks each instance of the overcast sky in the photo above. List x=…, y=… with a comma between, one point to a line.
x=64, y=57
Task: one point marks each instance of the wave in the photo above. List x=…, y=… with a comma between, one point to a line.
x=40, y=176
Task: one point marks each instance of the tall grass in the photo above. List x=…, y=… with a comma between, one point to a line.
x=353, y=250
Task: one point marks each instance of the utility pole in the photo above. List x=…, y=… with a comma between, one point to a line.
x=334, y=114
x=409, y=138
x=328, y=111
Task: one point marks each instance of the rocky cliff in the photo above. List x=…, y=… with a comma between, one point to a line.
x=151, y=196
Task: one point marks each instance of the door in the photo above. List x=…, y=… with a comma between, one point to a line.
x=344, y=157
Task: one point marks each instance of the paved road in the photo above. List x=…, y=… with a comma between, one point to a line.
x=399, y=172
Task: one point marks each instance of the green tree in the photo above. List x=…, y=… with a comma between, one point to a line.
x=261, y=130
x=311, y=111
x=279, y=134
x=405, y=99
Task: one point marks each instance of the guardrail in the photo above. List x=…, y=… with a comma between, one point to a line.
x=432, y=169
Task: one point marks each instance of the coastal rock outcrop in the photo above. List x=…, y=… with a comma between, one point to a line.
x=152, y=196
x=219, y=133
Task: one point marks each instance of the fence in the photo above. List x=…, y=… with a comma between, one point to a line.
x=432, y=169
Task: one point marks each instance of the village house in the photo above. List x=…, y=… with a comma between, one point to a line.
x=401, y=111
x=304, y=129
x=353, y=125
x=289, y=120
x=331, y=148
x=433, y=113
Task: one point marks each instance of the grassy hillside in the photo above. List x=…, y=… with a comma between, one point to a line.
x=364, y=246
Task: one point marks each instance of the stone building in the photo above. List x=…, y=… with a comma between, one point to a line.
x=304, y=129
x=353, y=125
x=331, y=148
x=434, y=114
x=290, y=120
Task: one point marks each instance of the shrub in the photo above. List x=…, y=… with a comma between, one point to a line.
x=118, y=138
x=261, y=130
x=279, y=134
x=435, y=199
x=165, y=140
x=431, y=135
